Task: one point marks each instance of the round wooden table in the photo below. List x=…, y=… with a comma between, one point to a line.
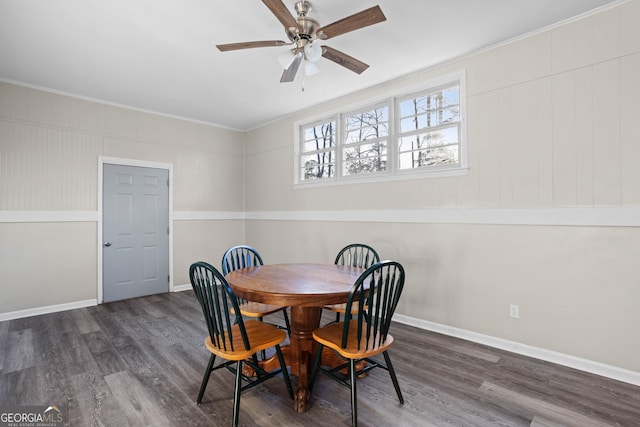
x=306, y=288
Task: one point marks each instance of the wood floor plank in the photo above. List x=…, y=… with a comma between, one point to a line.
x=571, y=389
x=19, y=351
x=95, y=403
x=58, y=356
x=539, y=421
x=546, y=410
x=478, y=353
x=616, y=406
x=20, y=388
x=104, y=353
x=4, y=344
x=135, y=402
x=84, y=321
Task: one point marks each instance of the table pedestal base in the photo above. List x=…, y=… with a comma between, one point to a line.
x=301, y=395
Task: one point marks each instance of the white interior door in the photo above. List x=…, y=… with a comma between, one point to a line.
x=135, y=231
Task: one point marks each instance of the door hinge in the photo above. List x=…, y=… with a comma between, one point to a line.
x=167, y=182
x=167, y=230
x=168, y=278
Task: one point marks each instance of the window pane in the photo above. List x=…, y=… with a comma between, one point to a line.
x=429, y=110
x=359, y=167
x=413, y=123
x=429, y=148
x=412, y=107
x=451, y=95
x=317, y=166
x=445, y=136
x=367, y=125
x=319, y=144
x=319, y=137
x=433, y=101
x=365, y=158
x=371, y=118
x=428, y=157
x=369, y=132
x=430, y=119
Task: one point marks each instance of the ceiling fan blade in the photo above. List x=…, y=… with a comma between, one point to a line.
x=249, y=45
x=290, y=73
x=278, y=8
x=343, y=59
x=367, y=17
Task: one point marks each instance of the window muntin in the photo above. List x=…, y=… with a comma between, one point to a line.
x=318, y=151
x=422, y=132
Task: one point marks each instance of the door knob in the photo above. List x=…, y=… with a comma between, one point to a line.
x=107, y=244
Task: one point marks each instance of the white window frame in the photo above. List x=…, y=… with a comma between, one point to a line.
x=393, y=171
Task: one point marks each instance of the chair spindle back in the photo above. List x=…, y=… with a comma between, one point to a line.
x=376, y=293
x=218, y=304
x=357, y=255
x=241, y=256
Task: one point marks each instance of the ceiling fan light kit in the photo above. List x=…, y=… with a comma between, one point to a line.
x=310, y=69
x=312, y=51
x=305, y=34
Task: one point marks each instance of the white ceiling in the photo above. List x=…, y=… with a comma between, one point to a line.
x=159, y=55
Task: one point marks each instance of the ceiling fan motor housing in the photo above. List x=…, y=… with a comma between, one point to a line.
x=307, y=26
x=305, y=33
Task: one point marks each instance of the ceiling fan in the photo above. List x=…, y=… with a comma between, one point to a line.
x=305, y=34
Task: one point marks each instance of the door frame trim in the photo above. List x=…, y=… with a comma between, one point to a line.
x=144, y=164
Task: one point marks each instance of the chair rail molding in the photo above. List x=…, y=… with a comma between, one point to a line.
x=604, y=217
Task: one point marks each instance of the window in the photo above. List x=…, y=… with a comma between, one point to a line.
x=318, y=151
x=429, y=129
x=421, y=132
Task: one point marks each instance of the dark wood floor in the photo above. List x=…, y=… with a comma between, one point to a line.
x=140, y=363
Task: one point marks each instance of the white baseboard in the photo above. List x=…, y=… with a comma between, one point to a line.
x=47, y=310
x=20, y=314
x=590, y=366
x=181, y=288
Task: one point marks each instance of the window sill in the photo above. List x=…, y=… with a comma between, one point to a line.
x=400, y=176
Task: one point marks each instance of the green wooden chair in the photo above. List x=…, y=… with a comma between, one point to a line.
x=231, y=337
x=375, y=294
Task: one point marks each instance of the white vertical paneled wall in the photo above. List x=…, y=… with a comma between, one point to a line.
x=49, y=169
